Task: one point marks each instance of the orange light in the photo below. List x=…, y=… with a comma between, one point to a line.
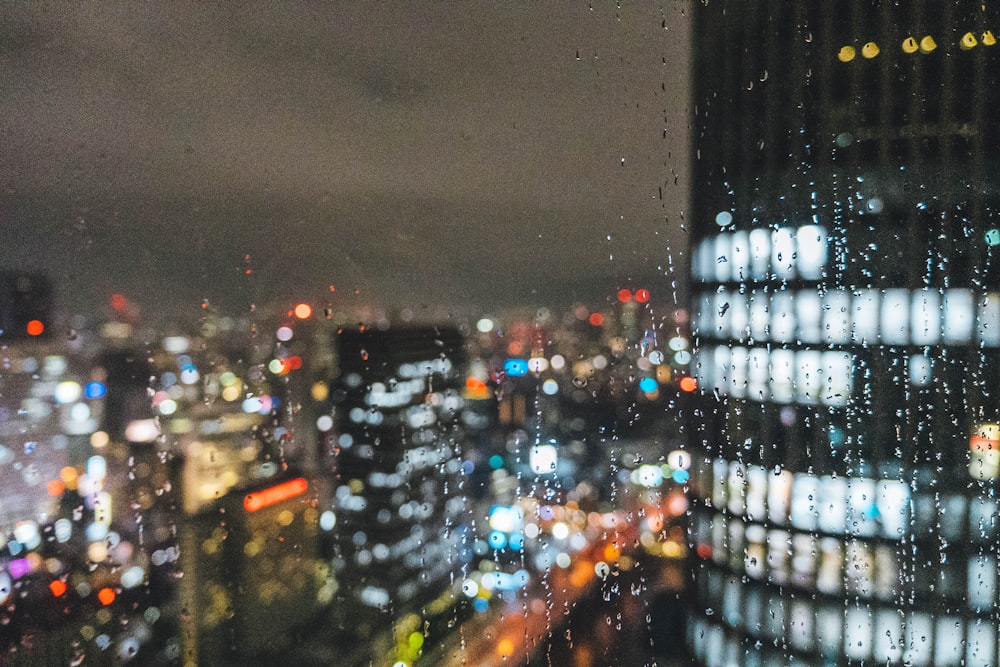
x=56, y=488
x=303, y=311
x=118, y=302
x=612, y=552
x=625, y=295
x=275, y=494
x=596, y=319
x=58, y=587
x=642, y=295
x=505, y=648
x=688, y=384
x=106, y=596
x=35, y=328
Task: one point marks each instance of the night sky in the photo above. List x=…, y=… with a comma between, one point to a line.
x=443, y=157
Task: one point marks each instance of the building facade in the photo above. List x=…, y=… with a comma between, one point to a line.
x=845, y=252
x=396, y=446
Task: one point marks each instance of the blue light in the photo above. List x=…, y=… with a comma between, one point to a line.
x=516, y=542
x=497, y=539
x=648, y=384
x=496, y=462
x=481, y=605
x=681, y=476
x=94, y=390
x=516, y=367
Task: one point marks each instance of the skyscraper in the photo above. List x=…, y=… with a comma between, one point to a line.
x=396, y=493
x=846, y=308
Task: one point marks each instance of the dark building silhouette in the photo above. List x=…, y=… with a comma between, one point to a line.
x=847, y=317
x=397, y=499
x=25, y=305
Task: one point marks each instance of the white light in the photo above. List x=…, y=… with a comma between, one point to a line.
x=543, y=459
x=558, y=362
x=189, y=375
x=26, y=532
x=133, y=576
x=560, y=530
x=470, y=588
x=550, y=387
x=97, y=468
x=723, y=218
x=811, y=251
x=600, y=362
x=563, y=560
x=252, y=404
x=485, y=325
x=656, y=357
x=79, y=412
x=324, y=423
x=679, y=459
x=783, y=252
x=63, y=530
x=175, y=344
x=168, y=407
x=538, y=364
x=67, y=392
x=142, y=430
x=284, y=334
x=327, y=520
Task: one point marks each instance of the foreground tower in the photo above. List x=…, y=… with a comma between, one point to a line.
x=845, y=257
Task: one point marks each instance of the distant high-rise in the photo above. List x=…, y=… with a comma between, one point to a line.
x=397, y=497
x=845, y=251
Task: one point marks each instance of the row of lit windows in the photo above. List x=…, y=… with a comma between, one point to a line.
x=861, y=632
x=835, y=566
x=782, y=376
x=861, y=316
x=910, y=45
x=847, y=506
x=781, y=253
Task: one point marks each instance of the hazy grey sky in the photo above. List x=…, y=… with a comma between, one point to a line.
x=424, y=153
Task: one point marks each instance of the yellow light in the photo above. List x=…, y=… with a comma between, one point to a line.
x=910, y=45
x=989, y=39
x=869, y=50
x=286, y=518
x=846, y=54
x=99, y=439
x=231, y=393
x=968, y=41
x=927, y=44
x=320, y=391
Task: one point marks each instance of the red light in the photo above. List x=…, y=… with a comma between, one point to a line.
x=625, y=295
x=58, y=587
x=688, y=384
x=642, y=295
x=303, y=311
x=294, y=362
x=118, y=302
x=106, y=596
x=596, y=319
x=35, y=328
x=275, y=494
x=704, y=551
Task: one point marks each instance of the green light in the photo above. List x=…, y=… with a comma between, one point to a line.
x=993, y=237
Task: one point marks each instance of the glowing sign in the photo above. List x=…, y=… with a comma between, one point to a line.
x=516, y=367
x=275, y=494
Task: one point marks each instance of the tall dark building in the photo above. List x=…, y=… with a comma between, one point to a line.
x=847, y=315
x=397, y=498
